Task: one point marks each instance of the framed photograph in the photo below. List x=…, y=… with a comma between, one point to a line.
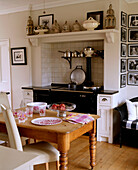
x=133, y=50
x=133, y=78
x=123, y=34
x=98, y=16
x=133, y=35
x=123, y=19
x=46, y=20
x=123, y=65
x=132, y=64
x=18, y=56
x=123, y=50
x=123, y=79
x=133, y=21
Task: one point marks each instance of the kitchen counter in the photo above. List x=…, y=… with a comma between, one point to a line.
x=109, y=92
x=85, y=100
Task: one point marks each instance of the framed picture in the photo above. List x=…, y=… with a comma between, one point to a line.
x=132, y=64
x=98, y=16
x=123, y=80
x=46, y=20
x=133, y=78
x=123, y=50
x=133, y=35
x=133, y=50
x=133, y=21
x=18, y=56
x=123, y=34
x=123, y=19
x=123, y=65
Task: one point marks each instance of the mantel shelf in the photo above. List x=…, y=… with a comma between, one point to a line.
x=105, y=34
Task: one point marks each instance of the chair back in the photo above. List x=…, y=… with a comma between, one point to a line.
x=4, y=100
x=13, y=133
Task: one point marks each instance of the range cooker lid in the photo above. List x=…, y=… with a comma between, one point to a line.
x=91, y=88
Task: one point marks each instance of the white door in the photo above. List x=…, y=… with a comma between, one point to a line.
x=5, y=81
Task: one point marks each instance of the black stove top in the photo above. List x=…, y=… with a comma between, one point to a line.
x=59, y=86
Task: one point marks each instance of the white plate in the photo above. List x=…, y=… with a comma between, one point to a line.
x=46, y=121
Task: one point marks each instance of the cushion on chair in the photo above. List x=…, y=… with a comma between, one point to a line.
x=131, y=108
x=45, y=151
x=129, y=124
x=136, y=105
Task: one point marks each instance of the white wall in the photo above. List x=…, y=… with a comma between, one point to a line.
x=79, y=12
x=123, y=91
x=132, y=91
x=129, y=91
x=13, y=27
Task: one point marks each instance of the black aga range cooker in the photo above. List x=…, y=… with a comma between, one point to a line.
x=85, y=99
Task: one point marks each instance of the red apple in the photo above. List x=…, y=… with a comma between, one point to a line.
x=54, y=107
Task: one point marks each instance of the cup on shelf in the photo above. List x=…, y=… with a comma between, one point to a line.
x=42, y=110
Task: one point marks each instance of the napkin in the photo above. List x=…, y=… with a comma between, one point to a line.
x=79, y=118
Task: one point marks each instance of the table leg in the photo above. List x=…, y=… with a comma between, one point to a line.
x=63, y=147
x=63, y=161
x=92, y=147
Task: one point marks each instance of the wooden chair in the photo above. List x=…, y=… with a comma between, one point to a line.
x=47, y=153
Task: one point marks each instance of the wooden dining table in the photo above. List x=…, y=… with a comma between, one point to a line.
x=62, y=134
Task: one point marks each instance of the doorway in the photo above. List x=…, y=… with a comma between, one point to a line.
x=5, y=69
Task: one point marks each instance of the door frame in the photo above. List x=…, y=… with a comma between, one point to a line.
x=7, y=41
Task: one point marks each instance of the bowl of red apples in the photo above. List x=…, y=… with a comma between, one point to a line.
x=62, y=107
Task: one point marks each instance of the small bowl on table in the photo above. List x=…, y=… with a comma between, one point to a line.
x=37, y=106
x=62, y=107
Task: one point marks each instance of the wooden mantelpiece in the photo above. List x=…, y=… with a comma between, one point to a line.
x=107, y=34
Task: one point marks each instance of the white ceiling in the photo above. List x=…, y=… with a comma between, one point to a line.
x=9, y=6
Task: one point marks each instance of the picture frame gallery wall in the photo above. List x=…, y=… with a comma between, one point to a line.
x=129, y=50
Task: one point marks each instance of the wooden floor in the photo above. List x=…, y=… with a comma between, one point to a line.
x=109, y=156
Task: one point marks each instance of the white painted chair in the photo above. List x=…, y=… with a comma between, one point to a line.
x=3, y=136
x=47, y=153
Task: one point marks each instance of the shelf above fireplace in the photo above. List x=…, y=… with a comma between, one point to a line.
x=105, y=34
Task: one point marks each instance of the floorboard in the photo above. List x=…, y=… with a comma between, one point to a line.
x=109, y=156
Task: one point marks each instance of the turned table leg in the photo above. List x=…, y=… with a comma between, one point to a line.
x=92, y=147
x=63, y=147
x=63, y=161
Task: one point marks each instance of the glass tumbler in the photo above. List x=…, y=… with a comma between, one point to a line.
x=42, y=110
x=22, y=116
x=15, y=114
x=29, y=111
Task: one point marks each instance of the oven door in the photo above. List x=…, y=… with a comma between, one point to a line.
x=87, y=103
x=42, y=96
